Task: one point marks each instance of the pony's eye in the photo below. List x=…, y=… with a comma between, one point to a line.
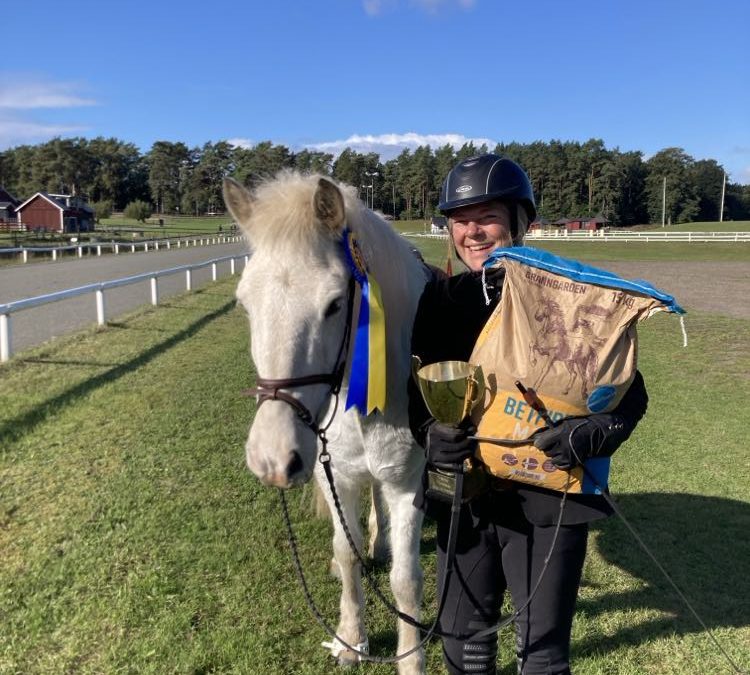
x=333, y=308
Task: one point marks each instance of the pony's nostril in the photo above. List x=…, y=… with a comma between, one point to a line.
x=295, y=466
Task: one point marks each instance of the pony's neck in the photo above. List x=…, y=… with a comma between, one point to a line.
x=401, y=276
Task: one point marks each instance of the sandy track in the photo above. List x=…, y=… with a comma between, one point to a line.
x=716, y=287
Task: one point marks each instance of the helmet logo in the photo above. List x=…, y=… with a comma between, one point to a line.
x=463, y=188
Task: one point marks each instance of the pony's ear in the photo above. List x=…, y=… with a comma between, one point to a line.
x=238, y=201
x=329, y=205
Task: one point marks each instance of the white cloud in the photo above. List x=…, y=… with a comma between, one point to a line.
x=241, y=143
x=28, y=95
x=389, y=146
x=433, y=6
x=21, y=93
x=742, y=176
x=16, y=132
x=373, y=7
x=377, y=7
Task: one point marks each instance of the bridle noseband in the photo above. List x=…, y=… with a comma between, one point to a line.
x=268, y=389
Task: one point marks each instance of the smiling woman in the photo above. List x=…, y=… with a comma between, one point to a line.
x=479, y=230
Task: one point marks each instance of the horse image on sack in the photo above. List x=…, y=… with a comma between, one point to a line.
x=567, y=331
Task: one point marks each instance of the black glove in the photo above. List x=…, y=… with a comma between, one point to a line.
x=574, y=440
x=449, y=445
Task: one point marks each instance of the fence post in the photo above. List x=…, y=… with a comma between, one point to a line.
x=117, y=249
x=169, y=244
x=231, y=266
x=80, y=251
x=154, y=291
x=213, y=271
x=145, y=246
x=156, y=246
x=188, y=280
x=98, y=249
x=132, y=248
x=5, y=346
x=54, y=254
x=25, y=255
x=100, y=319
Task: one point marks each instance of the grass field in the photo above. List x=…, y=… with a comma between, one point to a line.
x=133, y=539
x=173, y=226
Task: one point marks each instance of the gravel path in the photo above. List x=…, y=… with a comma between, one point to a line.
x=715, y=287
x=34, y=326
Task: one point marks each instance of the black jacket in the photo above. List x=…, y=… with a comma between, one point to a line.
x=451, y=314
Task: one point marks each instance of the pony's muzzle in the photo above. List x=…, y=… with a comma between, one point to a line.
x=285, y=472
x=280, y=450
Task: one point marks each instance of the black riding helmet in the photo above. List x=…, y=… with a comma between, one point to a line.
x=486, y=178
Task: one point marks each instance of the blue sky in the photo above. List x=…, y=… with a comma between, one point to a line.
x=383, y=74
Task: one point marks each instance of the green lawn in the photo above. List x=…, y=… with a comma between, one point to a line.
x=709, y=226
x=134, y=540
x=173, y=226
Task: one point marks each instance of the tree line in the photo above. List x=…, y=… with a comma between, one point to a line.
x=570, y=179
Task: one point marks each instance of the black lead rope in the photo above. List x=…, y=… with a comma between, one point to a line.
x=431, y=630
x=448, y=570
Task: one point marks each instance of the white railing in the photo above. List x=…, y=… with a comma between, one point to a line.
x=6, y=310
x=118, y=246
x=616, y=235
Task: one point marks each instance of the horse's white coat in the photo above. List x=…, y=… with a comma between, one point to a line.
x=294, y=289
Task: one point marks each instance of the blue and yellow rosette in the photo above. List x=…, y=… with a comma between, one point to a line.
x=367, y=372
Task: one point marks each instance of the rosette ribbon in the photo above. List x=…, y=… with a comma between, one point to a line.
x=367, y=373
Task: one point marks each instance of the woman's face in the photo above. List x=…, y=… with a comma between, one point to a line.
x=478, y=230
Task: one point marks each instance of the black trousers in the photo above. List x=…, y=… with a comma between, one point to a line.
x=499, y=549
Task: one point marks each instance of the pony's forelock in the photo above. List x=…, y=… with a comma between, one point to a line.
x=283, y=224
x=282, y=214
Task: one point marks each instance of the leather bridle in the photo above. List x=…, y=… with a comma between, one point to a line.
x=268, y=389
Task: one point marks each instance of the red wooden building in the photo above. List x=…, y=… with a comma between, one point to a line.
x=587, y=223
x=56, y=213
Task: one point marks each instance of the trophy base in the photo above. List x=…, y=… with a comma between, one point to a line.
x=441, y=484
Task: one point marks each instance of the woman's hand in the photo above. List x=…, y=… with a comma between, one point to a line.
x=574, y=440
x=448, y=444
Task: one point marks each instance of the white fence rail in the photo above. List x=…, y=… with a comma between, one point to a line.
x=98, y=289
x=118, y=247
x=610, y=235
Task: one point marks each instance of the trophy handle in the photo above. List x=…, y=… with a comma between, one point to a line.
x=475, y=386
x=416, y=364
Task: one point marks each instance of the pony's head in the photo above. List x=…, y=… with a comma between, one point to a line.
x=547, y=309
x=295, y=290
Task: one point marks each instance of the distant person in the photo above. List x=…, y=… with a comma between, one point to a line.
x=506, y=532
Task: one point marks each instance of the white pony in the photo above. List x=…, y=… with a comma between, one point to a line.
x=295, y=291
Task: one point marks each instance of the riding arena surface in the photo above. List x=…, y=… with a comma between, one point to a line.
x=711, y=287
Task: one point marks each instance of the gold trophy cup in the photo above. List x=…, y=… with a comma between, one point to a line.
x=450, y=390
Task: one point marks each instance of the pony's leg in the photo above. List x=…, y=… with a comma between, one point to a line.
x=351, y=628
x=544, y=373
x=571, y=366
x=406, y=573
x=377, y=526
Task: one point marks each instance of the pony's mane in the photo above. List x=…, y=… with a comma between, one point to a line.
x=286, y=226
x=283, y=209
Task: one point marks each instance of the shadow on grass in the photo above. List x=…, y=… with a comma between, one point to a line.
x=701, y=541
x=16, y=428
